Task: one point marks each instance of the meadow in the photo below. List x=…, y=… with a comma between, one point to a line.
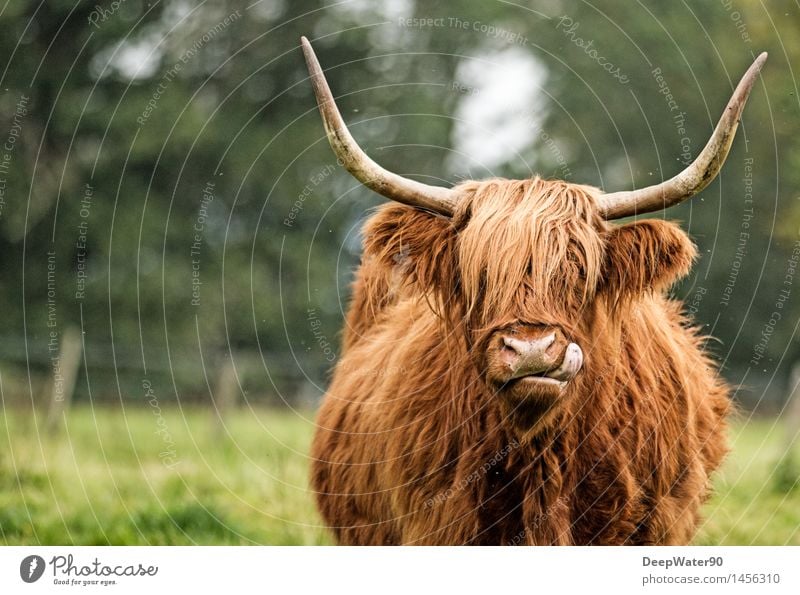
x=123, y=476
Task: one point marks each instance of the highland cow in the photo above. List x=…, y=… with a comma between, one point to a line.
x=512, y=369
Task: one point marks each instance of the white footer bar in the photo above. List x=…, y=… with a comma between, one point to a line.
x=414, y=571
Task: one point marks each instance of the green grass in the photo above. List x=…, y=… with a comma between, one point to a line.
x=757, y=493
x=100, y=480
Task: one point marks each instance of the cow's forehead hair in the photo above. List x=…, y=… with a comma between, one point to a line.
x=535, y=238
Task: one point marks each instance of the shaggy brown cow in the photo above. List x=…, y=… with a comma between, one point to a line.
x=512, y=369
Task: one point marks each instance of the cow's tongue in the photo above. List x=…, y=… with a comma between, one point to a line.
x=570, y=366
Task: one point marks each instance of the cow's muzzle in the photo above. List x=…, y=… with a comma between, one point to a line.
x=534, y=355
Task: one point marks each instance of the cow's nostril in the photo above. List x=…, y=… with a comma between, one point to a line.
x=548, y=341
x=510, y=354
x=555, y=346
x=532, y=355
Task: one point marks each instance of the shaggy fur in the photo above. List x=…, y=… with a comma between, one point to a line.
x=417, y=444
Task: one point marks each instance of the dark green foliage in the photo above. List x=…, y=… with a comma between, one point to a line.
x=238, y=114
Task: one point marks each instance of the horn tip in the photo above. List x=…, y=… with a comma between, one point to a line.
x=305, y=45
x=758, y=64
x=311, y=58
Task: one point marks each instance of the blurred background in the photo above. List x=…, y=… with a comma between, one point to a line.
x=177, y=239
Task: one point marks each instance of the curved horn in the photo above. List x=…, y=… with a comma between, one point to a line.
x=699, y=174
x=365, y=170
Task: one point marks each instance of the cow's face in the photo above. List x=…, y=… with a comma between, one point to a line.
x=534, y=261
x=521, y=275
x=529, y=257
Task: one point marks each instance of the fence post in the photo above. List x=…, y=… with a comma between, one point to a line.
x=65, y=373
x=792, y=416
x=787, y=474
x=226, y=394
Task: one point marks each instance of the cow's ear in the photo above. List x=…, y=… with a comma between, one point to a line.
x=413, y=246
x=646, y=255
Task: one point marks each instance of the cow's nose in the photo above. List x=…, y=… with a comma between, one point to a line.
x=531, y=356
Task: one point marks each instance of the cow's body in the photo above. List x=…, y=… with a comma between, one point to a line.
x=413, y=447
x=512, y=370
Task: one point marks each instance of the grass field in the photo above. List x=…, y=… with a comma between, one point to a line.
x=104, y=479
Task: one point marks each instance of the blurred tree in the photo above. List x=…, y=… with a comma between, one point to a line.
x=171, y=164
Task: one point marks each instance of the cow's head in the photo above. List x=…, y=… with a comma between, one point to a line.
x=527, y=266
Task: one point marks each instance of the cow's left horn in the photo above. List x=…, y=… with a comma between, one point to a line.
x=365, y=170
x=699, y=174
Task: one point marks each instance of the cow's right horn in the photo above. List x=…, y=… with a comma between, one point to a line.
x=365, y=170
